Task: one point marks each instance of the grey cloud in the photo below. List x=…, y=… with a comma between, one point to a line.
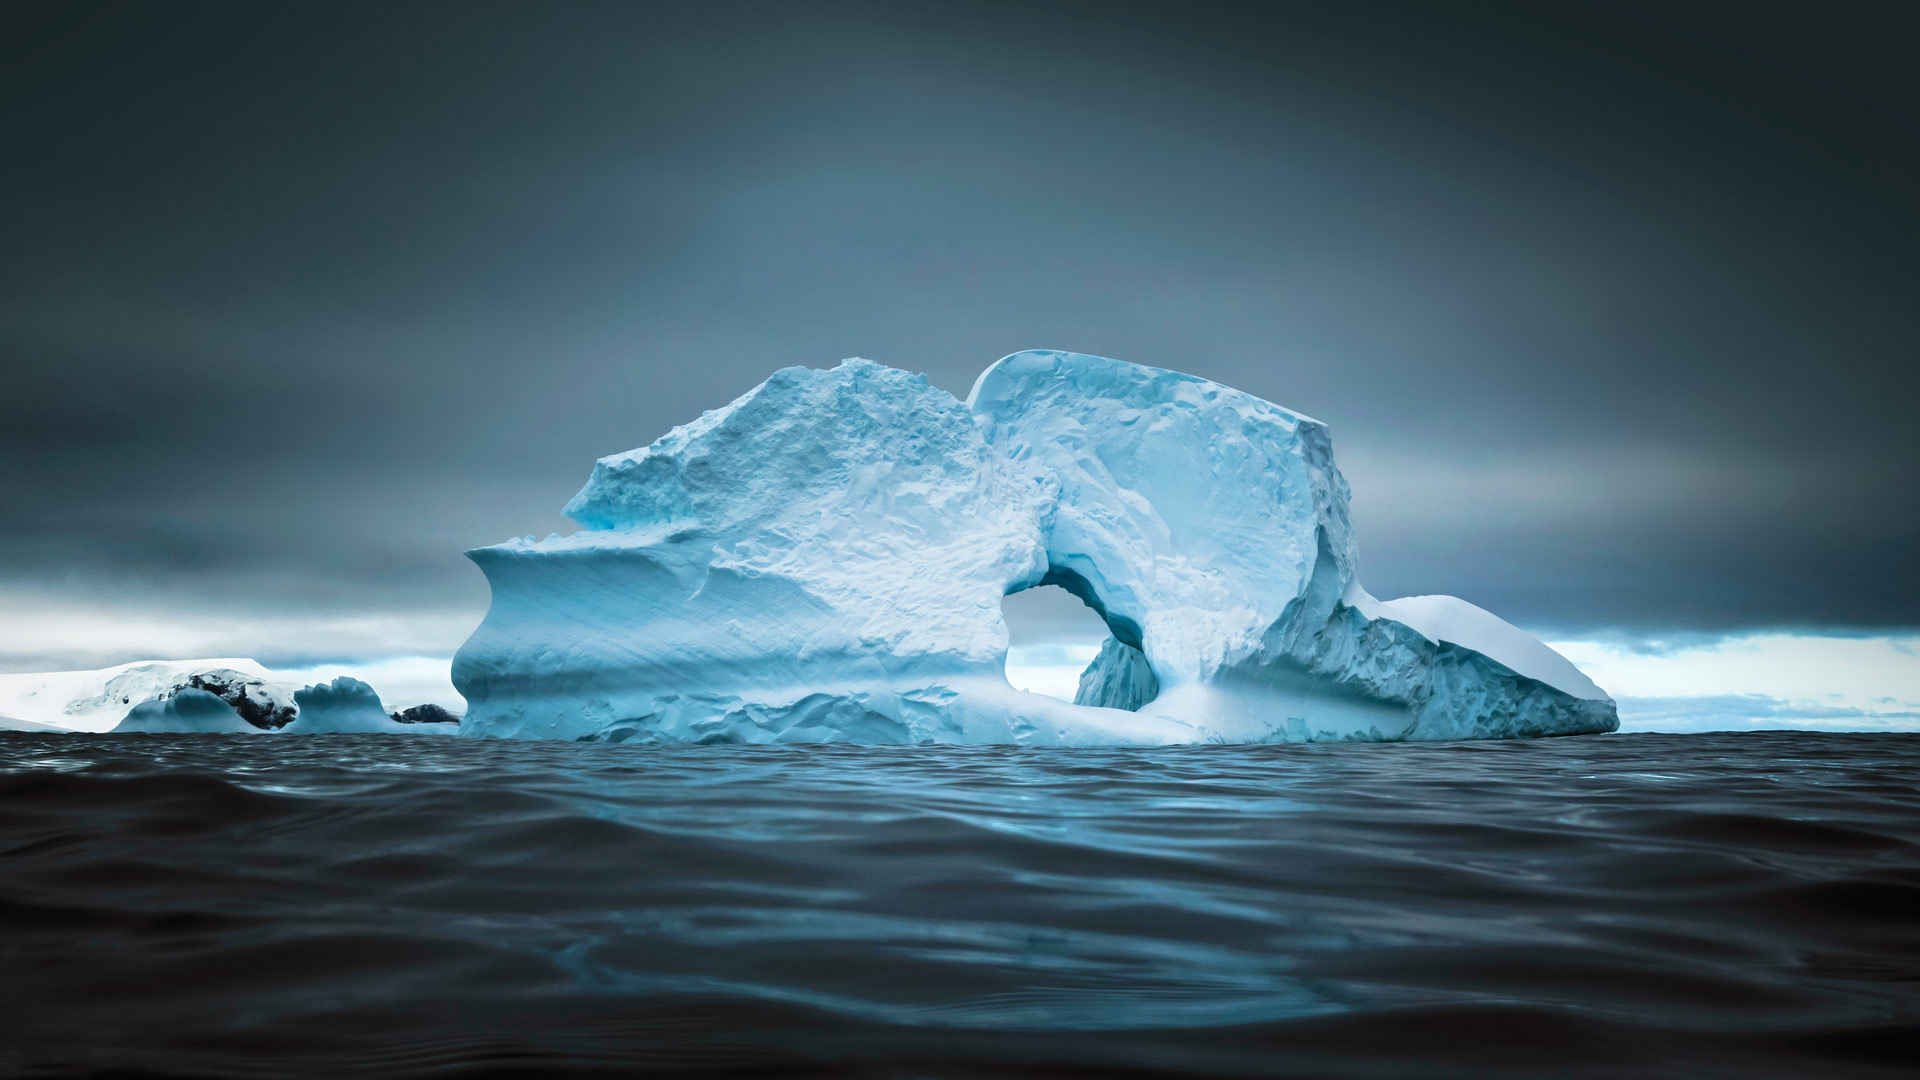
x=1612, y=322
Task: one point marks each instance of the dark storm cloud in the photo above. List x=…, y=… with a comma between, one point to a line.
x=1613, y=318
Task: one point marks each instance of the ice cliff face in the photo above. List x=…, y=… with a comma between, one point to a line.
x=824, y=558
x=1118, y=678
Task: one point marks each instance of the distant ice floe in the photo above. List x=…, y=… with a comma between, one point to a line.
x=180, y=696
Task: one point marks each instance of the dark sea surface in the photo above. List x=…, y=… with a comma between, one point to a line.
x=1702, y=905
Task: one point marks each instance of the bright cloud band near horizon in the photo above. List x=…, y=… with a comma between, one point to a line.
x=1762, y=680
x=1773, y=680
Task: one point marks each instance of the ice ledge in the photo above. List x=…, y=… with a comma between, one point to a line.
x=1455, y=621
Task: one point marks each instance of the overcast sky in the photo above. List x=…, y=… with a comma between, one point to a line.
x=1614, y=318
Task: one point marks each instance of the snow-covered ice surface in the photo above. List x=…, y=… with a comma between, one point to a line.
x=186, y=711
x=824, y=559
x=1451, y=619
x=98, y=699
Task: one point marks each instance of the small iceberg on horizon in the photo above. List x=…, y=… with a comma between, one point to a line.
x=347, y=706
x=189, y=711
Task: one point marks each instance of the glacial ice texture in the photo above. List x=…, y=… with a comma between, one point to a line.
x=823, y=559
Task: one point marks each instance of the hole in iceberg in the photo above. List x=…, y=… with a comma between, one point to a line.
x=1052, y=637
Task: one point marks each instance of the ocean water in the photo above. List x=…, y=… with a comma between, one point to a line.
x=1614, y=905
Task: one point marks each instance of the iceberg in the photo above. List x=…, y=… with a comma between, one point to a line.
x=824, y=558
x=188, y=710
x=347, y=706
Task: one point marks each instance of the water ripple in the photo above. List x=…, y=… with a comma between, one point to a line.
x=1699, y=905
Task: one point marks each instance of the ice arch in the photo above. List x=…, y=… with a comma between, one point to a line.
x=824, y=558
x=1053, y=635
x=1119, y=675
x=1187, y=511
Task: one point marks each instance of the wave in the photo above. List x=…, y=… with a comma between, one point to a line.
x=1707, y=905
